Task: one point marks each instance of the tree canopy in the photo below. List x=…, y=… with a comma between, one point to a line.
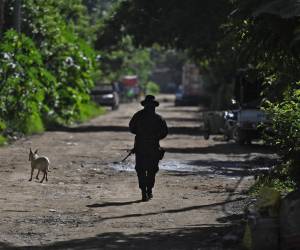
x=188, y=24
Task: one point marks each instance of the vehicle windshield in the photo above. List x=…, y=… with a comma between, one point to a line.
x=102, y=89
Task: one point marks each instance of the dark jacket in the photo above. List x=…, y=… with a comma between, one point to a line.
x=149, y=128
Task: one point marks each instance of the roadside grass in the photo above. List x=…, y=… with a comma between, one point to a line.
x=3, y=140
x=33, y=124
x=88, y=111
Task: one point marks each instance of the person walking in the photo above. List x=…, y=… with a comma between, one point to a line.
x=149, y=128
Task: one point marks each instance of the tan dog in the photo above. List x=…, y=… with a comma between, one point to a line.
x=41, y=163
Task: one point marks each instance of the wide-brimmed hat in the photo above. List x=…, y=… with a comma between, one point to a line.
x=150, y=100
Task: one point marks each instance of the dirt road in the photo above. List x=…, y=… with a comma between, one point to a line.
x=90, y=202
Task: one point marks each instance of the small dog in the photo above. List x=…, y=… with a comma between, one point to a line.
x=41, y=163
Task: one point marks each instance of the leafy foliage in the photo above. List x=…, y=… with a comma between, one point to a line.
x=152, y=88
x=182, y=24
x=22, y=77
x=286, y=132
x=46, y=79
x=125, y=59
x=66, y=56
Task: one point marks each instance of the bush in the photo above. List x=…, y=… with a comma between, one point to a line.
x=65, y=55
x=2, y=140
x=152, y=88
x=33, y=93
x=282, y=184
x=285, y=135
x=46, y=79
x=22, y=90
x=33, y=124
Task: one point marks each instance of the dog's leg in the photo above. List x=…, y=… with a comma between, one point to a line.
x=37, y=176
x=43, y=178
x=31, y=174
x=46, y=176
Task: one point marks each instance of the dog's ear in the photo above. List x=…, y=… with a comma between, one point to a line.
x=36, y=151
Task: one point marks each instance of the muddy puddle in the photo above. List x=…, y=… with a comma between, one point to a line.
x=210, y=169
x=166, y=165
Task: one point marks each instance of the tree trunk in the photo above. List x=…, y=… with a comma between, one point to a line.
x=17, y=15
x=2, y=5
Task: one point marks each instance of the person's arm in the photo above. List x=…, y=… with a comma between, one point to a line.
x=133, y=124
x=164, y=129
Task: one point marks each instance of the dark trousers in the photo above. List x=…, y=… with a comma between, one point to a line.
x=146, y=168
x=146, y=179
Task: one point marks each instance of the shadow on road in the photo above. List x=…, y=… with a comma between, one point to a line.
x=91, y=128
x=184, y=119
x=170, y=108
x=231, y=218
x=88, y=129
x=225, y=148
x=195, y=237
x=113, y=204
x=169, y=211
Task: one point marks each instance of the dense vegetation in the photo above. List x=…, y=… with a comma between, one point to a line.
x=48, y=63
x=224, y=36
x=46, y=70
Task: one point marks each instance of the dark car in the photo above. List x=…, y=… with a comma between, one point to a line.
x=190, y=98
x=106, y=95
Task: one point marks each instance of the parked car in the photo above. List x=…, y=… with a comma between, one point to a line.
x=240, y=125
x=230, y=123
x=242, y=122
x=106, y=95
x=248, y=124
x=185, y=97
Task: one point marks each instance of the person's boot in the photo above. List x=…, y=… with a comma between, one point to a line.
x=149, y=194
x=144, y=196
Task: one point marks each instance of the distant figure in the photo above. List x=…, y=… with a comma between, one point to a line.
x=149, y=128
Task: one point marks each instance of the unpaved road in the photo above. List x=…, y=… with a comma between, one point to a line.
x=91, y=203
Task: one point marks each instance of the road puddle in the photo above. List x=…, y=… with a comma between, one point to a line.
x=230, y=169
x=171, y=165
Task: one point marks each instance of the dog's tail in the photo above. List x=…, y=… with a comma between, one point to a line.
x=48, y=167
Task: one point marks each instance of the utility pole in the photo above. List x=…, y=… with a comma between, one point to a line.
x=17, y=15
x=2, y=5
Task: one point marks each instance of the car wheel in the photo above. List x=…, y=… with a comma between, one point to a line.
x=226, y=138
x=115, y=107
x=238, y=136
x=249, y=141
x=206, y=135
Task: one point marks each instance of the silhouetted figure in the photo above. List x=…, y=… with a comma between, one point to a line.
x=149, y=128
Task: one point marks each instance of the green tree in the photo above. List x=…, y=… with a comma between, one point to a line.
x=125, y=59
x=63, y=63
x=23, y=82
